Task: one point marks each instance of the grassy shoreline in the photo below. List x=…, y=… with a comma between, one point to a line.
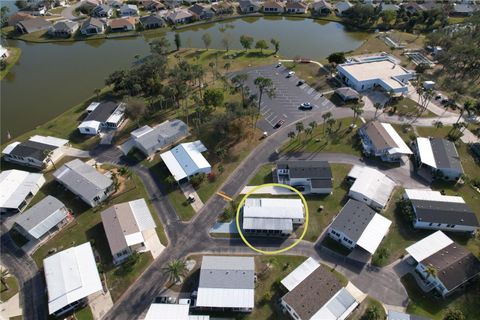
x=11, y=60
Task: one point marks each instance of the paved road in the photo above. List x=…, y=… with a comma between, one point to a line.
x=67, y=13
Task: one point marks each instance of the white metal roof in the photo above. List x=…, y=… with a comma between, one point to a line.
x=10, y=147
x=338, y=307
x=401, y=145
x=141, y=131
x=142, y=214
x=92, y=106
x=226, y=298
x=159, y=311
x=15, y=185
x=273, y=208
x=92, y=124
x=117, y=115
x=300, y=273
x=71, y=275
x=268, y=224
x=425, y=151
x=51, y=141
x=372, y=184
x=373, y=234
x=431, y=195
x=429, y=245
x=186, y=159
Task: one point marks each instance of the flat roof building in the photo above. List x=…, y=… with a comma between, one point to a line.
x=227, y=282
x=125, y=225
x=186, y=160
x=377, y=72
x=272, y=216
x=17, y=188
x=84, y=181
x=454, y=265
x=432, y=210
x=71, y=276
x=102, y=115
x=161, y=311
x=48, y=215
x=381, y=140
x=358, y=225
x=370, y=186
x=308, y=176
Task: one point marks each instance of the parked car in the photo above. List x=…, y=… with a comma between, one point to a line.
x=279, y=124
x=306, y=106
x=165, y=299
x=279, y=65
x=290, y=74
x=299, y=188
x=300, y=82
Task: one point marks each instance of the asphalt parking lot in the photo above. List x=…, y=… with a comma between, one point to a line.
x=288, y=96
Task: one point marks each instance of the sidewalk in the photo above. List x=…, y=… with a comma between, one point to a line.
x=188, y=190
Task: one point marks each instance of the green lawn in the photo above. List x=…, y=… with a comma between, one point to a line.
x=84, y=314
x=11, y=60
x=12, y=285
x=408, y=108
x=341, y=140
x=425, y=304
x=263, y=175
x=360, y=313
x=315, y=76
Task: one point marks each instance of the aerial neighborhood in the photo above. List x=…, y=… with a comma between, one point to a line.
x=240, y=159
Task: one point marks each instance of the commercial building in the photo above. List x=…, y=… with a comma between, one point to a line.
x=316, y=293
x=376, y=72
x=102, y=115
x=38, y=152
x=306, y=175
x=17, y=188
x=439, y=156
x=45, y=217
x=272, y=216
x=370, y=186
x=71, y=277
x=186, y=160
x=454, y=265
x=432, y=210
x=357, y=225
x=381, y=140
x=227, y=283
x=125, y=225
x=85, y=181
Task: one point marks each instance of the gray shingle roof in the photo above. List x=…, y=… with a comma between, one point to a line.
x=102, y=111
x=32, y=149
x=446, y=155
x=165, y=130
x=353, y=219
x=444, y=212
x=227, y=272
x=306, y=168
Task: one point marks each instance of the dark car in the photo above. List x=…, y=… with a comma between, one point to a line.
x=306, y=106
x=300, y=82
x=278, y=124
x=299, y=188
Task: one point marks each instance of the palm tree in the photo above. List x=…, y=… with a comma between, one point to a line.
x=330, y=123
x=239, y=80
x=325, y=117
x=357, y=111
x=291, y=135
x=299, y=127
x=265, y=85
x=431, y=271
x=4, y=275
x=176, y=269
x=377, y=107
x=308, y=131
x=97, y=93
x=438, y=124
x=312, y=125
x=227, y=66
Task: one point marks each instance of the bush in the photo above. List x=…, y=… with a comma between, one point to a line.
x=212, y=177
x=197, y=180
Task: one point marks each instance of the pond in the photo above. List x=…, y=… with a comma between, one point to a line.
x=52, y=77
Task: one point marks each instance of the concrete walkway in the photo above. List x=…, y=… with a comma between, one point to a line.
x=188, y=190
x=152, y=243
x=11, y=308
x=100, y=303
x=74, y=152
x=267, y=190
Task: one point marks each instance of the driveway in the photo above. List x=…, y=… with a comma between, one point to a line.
x=288, y=97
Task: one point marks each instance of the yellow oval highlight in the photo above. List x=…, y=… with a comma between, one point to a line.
x=272, y=185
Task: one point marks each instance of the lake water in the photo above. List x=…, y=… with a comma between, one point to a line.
x=52, y=77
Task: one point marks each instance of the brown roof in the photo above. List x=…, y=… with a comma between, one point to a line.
x=313, y=292
x=118, y=222
x=455, y=265
x=17, y=17
x=122, y=22
x=273, y=4
x=296, y=5
x=379, y=135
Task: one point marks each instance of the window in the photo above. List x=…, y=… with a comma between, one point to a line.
x=430, y=224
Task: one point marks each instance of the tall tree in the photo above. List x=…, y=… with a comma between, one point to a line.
x=4, y=10
x=227, y=66
x=246, y=42
x=276, y=44
x=213, y=97
x=207, y=40
x=299, y=127
x=325, y=117
x=262, y=45
x=377, y=106
x=135, y=109
x=226, y=41
x=264, y=85
x=336, y=58
x=239, y=81
x=160, y=46
x=178, y=41
x=176, y=270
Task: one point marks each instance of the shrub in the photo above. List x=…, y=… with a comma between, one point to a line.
x=197, y=180
x=212, y=177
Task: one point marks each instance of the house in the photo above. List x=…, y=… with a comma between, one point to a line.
x=341, y=7
x=347, y=94
x=128, y=10
x=227, y=283
x=272, y=216
x=463, y=9
x=71, y=276
x=249, y=6
x=322, y=7
x=433, y=210
x=92, y=26
x=85, y=182
x=396, y=315
x=32, y=25
x=152, y=21
x=172, y=4
x=314, y=292
x=439, y=157
x=273, y=7
x=153, y=5
x=357, y=225
x=201, y=12
x=296, y=7
x=122, y=24
x=370, y=186
x=102, y=11
x=90, y=4
x=4, y=54
x=186, y=160
x=381, y=140
x=65, y=28
x=150, y=140
x=127, y=226
x=179, y=16
x=17, y=17
x=223, y=8
x=38, y=152
x=172, y=311
x=17, y=188
x=307, y=176
x=115, y=3
x=46, y=217
x=102, y=115
x=379, y=72
x=455, y=266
